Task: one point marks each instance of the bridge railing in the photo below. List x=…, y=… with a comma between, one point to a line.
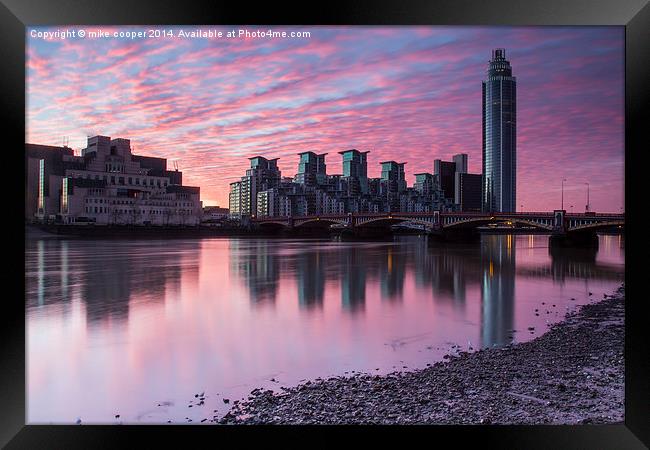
x=442, y=214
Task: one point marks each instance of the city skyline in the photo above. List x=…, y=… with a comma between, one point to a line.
x=387, y=90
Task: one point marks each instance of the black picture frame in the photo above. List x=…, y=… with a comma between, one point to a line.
x=15, y=15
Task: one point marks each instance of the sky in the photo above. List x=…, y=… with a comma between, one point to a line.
x=410, y=94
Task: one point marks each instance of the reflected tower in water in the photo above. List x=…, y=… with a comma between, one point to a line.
x=497, y=289
x=393, y=272
x=452, y=270
x=257, y=263
x=310, y=279
x=353, y=280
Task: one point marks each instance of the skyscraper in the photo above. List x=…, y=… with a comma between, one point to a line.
x=460, y=160
x=444, y=173
x=311, y=169
x=499, y=136
x=262, y=175
x=392, y=183
x=355, y=170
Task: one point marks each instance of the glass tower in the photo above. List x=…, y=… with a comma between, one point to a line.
x=355, y=169
x=499, y=136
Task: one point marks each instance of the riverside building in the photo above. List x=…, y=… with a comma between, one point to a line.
x=499, y=190
x=459, y=187
x=107, y=184
x=312, y=191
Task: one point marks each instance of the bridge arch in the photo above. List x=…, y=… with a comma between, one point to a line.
x=595, y=226
x=533, y=223
x=379, y=221
x=392, y=220
x=318, y=221
x=272, y=223
x=474, y=222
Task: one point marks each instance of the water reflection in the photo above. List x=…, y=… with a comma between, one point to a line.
x=451, y=270
x=257, y=262
x=497, y=289
x=571, y=264
x=353, y=270
x=311, y=279
x=107, y=276
x=165, y=318
x=47, y=274
x=447, y=271
x=393, y=266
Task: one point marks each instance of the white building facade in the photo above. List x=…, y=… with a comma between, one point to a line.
x=107, y=184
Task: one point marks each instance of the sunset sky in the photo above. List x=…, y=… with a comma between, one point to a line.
x=404, y=93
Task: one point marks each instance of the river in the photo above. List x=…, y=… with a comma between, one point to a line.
x=142, y=328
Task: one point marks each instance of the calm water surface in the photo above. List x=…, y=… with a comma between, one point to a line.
x=137, y=328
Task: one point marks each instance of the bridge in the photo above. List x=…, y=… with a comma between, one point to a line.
x=564, y=227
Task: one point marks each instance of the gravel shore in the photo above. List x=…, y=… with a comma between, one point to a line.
x=572, y=374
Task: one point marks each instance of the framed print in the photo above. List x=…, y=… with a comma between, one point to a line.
x=388, y=218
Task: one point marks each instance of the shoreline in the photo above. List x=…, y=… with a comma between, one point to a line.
x=571, y=374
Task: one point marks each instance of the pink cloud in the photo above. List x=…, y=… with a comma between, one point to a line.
x=408, y=93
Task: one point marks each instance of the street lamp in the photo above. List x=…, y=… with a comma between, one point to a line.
x=587, y=206
x=563, y=180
